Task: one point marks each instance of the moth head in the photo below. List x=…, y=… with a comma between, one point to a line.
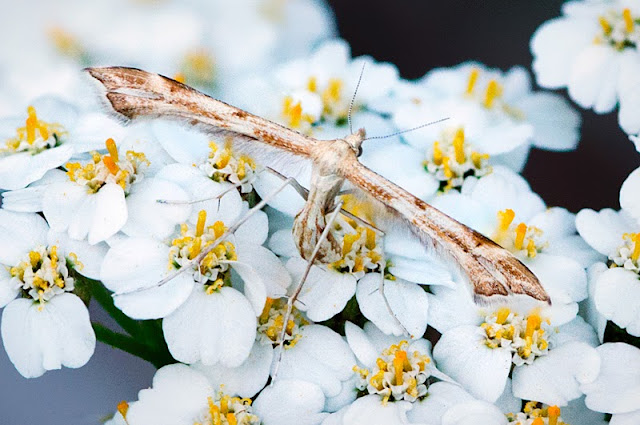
x=355, y=140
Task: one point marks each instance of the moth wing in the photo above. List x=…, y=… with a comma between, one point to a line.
x=490, y=269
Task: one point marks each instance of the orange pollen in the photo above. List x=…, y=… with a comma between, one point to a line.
x=179, y=77
x=202, y=218
x=554, y=413
x=505, y=218
x=231, y=418
x=123, y=408
x=521, y=231
x=110, y=164
x=538, y=421
x=502, y=315
x=628, y=20
x=398, y=365
x=113, y=150
x=31, y=123
x=636, y=248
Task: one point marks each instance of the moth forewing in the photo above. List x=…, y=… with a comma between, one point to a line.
x=490, y=269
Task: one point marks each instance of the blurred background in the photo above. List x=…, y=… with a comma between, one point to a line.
x=415, y=35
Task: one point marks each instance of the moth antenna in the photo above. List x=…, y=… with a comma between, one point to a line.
x=407, y=130
x=353, y=99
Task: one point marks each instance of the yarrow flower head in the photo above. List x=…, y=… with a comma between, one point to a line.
x=224, y=165
x=521, y=239
x=271, y=321
x=399, y=374
x=35, y=137
x=628, y=254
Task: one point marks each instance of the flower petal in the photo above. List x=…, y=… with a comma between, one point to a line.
x=19, y=234
x=617, y=298
x=290, y=402
x=629, y=199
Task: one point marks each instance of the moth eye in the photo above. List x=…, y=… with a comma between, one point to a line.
x=359, y=151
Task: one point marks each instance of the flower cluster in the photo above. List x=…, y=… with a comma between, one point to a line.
x=163, y=227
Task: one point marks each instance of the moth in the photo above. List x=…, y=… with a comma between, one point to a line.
x=490, y=270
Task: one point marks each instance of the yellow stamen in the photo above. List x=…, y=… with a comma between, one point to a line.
x=214, y=411
x=224, y=158
x=34, y=258
x=502, y=315
x=505, y=218
x=477, y=158
x=532, y=251
x=521, y=231
x=31, y=123
x=348, y=242
x=332, y=93
x=628, y=20
x=292, y=111
x=371, y=239
x=123, y=408
x=265, y=311
x=202, y=218
x=194, y=250
x=110, y=164
x=398, y=365
x=494, y=90
x=538, y=421
x=606, y=26
x=458, y=145
x=473, y=77
x=636, y=249
x=231, y=418
x=437, y=153
x=533, y=324
x=447, y=168
x=53, y=254
x=218, y=228
x=312, y=84
x=554, y=412
x=113, y=149
x=224, y=404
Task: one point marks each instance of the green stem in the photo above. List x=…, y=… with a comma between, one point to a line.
x=132, y=346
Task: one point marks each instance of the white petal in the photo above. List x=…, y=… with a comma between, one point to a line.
x=272, y=272
x=449, y=308
x=325, y=292
x=147, y=217
x=562, y=277
x=462, y=354
x=360, y=345
x=290, y=402
x=430, y=271
x=9, y=288
x=255, y=230
x=18, y=170
x=19, y=234
x=178, y=396
x=617, y=297
x=576, y=330
x=184, y=145
x=369, y=410
x=603, y=230
x=281, y=243
x=245, y=380
x=288, y=200
x=474, y=412
x=594, y=78
x=629, y=199
x=617, y=387
x=211, y=328
x=631, y=418
x=110, y=213
x=61, y=203
x=556, y=377
x=629, y=92
x=441, y=396
x=30, y=198
x=40, y=339
x=408, y=302
x=253, y=285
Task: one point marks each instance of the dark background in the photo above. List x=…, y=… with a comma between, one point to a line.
x=416, y=35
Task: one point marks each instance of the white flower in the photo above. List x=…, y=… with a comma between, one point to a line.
x=617, y=388
x=616, y=290
x=182, y=396
x=593, y=50
x=205, y=318
x=44, y=324
x=109, y=193
x=43, y=140
x=630, y=194
x=291, y=402
x=482, y=346
x=501, y=111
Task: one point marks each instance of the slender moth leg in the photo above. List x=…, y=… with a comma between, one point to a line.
x=296, y=292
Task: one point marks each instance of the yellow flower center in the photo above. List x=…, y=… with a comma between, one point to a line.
x=520, y=238
x=213, y=271
x=66, y=44
x=406, y=372
x=198, y=68
x=453, y=159
x=491, y=96
x=223, y=165
x=361, y=251
x=535, y=413
x=35, y=137
x=527, y=337
x=271, y=321
x=619, y=29
x=294, y=117
x=42, y=274
x=112, y=168
x=226, y=410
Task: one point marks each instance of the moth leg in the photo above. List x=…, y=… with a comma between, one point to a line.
x=292, y=299
x=230, y=230
x=302, y=191
x=383, y=264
